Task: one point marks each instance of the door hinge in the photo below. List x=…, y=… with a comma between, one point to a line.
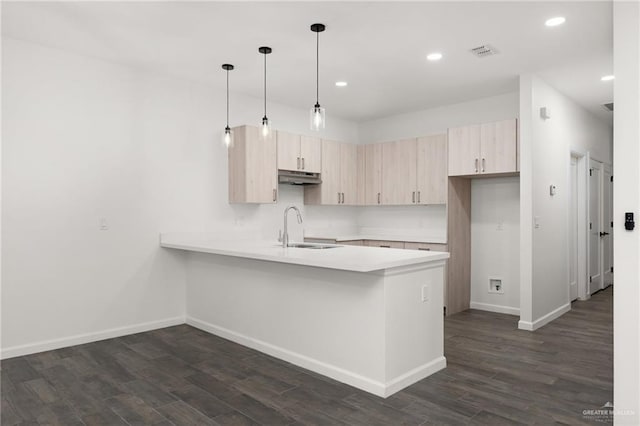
x=612, y=269
x=612, y=224
x=590, y=225
x=611, y=178
x=590, y=172
x=590, y=279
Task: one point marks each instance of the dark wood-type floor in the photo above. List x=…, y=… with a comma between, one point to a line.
x=496, y=375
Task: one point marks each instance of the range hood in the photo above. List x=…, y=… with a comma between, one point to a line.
x=298, y=178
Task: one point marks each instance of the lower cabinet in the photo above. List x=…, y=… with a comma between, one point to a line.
x=385, y=244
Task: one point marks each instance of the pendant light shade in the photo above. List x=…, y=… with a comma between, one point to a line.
x=227, y=136
x=265, y=128
x=317, y=117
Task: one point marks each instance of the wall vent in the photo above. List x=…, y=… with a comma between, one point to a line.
x=484, y=51
x=608, y=107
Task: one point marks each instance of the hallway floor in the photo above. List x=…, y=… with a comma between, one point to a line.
x=496, y=375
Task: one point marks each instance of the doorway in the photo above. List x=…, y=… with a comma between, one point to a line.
x=600, y=226
x=577, y=223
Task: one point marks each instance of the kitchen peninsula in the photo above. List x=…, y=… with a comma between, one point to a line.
x=366, y=316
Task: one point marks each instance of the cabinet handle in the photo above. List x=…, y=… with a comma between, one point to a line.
x=476, y=165
x=385, y=246
x=413, y=197
x=298, y=162
x=418, y=197
x=483, y=161
x=338, y=198
x=378, y=198
x=302, y=163
x=343, y=198
x=274, y=194
x=423, y=248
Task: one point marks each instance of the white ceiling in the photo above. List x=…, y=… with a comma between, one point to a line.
x=380, y=48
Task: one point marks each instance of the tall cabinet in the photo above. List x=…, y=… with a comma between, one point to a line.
x=253, y=176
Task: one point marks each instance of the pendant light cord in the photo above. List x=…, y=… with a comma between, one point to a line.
x=227, y=98
x=265, y=84
x=317, y=67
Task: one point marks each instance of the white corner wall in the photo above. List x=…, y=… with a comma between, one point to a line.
x=545, y=160
x=626, y=198
x=85, y=139
x=495, y=233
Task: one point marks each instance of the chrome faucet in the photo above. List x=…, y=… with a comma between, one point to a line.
x=284, y=236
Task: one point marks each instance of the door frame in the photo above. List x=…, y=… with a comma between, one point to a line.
x=582, y=163
x=599, y=284
x=606, y=219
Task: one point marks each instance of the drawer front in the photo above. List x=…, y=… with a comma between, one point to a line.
x=425, y=246
x=351, y=243
x=385, y=244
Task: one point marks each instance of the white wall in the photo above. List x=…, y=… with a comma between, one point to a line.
x=438, y=120
x=85, y=139
x=495, y=232
x=626, y=155
x=546, y=151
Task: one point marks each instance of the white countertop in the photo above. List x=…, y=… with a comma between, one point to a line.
x=348, y=258
x=358, y=236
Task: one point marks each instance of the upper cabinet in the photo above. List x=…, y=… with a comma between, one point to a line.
x=488, y=148
x=372, y=174
x=399, y=172
x=414, y=171
x=431, y=185
x=299, y=153
x=339, y=176
x=253, y=175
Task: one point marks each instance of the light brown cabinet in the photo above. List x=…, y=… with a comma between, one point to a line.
x=373, y=174
x=299, y=153
x=384, y=244
x=253, y=175
x=399, y=172
x=488, y=148
x=339, y=176
x=431, y=183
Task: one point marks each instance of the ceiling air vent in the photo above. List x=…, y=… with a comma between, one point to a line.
x=608, y=107
x=484, y=51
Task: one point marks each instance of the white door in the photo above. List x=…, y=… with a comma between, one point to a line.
x=573, y=231
x=607, y=226
x=595, y=226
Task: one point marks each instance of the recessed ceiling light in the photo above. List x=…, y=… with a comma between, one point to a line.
x=436, y=56
x=554, y=22
x=341, y=83
x=607, y=78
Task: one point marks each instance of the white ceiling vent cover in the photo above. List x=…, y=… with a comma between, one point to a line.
x=484, y=51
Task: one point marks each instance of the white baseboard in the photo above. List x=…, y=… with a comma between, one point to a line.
x=495, y=308
x=544, y=320
x=80, y=339
x=340, y=374
x=414, y=376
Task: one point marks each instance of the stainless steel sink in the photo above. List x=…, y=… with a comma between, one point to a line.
x=312, y=246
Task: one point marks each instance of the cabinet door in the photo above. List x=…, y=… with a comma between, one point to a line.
x=349, y=173
x=498, y=147
x=330, y=187
x=399, y=172
x=360, y=175
x=288, y=151
x=310, y=154
x=464, y=150
x=261, y=175
x=432, y=169
x=373, y=174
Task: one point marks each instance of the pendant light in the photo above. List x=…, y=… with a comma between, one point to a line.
x=266, y=123
x=317, y=117
x=227, y=137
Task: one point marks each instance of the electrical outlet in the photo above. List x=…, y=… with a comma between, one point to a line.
x=495, y=285
x=426, y=292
